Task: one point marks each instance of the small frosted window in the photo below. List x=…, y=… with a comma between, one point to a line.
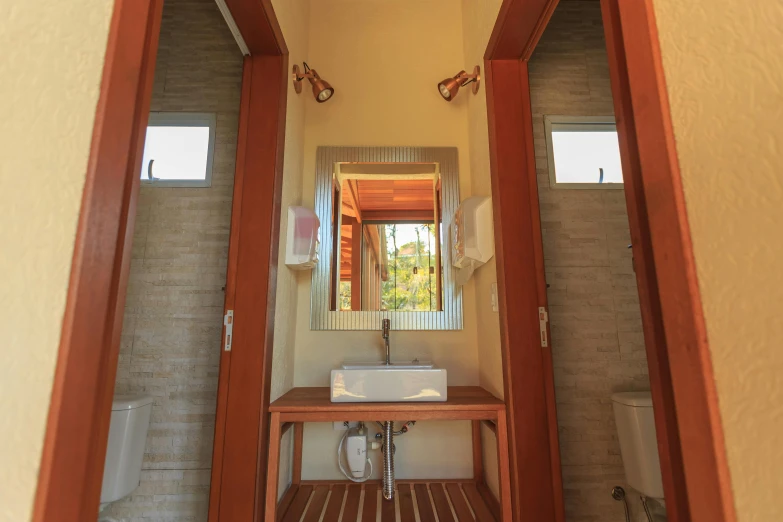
x=583, y=153
x=178, y=149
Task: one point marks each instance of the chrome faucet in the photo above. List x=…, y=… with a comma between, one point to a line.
x=385, y=325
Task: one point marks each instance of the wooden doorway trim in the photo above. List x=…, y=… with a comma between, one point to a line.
x=536, y=483
x=71, y=471
x=693, y=459
x=242, y=423
x=691, y=445
x=238, y=478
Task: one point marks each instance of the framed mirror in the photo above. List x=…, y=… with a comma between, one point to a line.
x=384, y=214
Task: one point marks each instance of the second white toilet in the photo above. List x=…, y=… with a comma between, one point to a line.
x=633, y=413
x=130, y=421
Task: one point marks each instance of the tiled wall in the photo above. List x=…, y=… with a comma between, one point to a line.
x=173, y=315
x=598, y=346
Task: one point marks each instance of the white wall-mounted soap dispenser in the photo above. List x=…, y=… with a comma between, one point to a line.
x=301, y=247
x=472, y=236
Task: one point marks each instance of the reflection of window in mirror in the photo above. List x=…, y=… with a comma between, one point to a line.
x=387, y=223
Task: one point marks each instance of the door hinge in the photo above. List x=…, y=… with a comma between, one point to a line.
x=543, y=318
x=228, y=322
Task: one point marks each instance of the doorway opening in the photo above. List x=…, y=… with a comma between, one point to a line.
x=72, y=466
x=597, y=341
x=676, y=349
x=170, y=343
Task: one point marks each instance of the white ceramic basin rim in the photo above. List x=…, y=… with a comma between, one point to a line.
x=403, y=365
x=377, y=382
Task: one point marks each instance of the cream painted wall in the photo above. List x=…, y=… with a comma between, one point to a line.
x=478, y=20
x=724, y=71
x=292, y=16
x=384, y=59
x=50, y=76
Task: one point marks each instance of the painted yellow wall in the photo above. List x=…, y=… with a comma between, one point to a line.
x=49, y=82
x=478, y=19
x=292, y=16
x=384, y=59
x=724, y=71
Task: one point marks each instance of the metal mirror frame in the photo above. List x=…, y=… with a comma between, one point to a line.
x=321, y=317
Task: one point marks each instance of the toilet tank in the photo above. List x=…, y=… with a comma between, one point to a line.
x=130, y=419
x=633, y=415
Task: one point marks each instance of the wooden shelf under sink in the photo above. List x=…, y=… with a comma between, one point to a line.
x=451, y=500
x=467, y=500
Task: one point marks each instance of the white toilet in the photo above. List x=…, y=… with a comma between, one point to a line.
x=130, y=420
x=633, y=413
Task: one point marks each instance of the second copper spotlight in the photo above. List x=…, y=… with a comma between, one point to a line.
x=449, y=87
x=322, y=91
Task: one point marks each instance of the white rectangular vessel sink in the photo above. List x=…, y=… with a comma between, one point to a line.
x=398, y=382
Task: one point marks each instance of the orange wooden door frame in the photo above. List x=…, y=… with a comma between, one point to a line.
x=71, y=471
x=692, y=452
x=536, y=483
x=242, y=423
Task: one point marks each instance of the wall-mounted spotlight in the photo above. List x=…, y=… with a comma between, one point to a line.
x=449, y=87
x=322, y=91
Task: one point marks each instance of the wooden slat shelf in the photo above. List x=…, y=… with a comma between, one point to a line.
x=415, y=501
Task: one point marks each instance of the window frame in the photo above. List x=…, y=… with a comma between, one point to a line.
x=183, y=119
x=576, y=123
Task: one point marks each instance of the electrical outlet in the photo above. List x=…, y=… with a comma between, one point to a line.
x=344, y=425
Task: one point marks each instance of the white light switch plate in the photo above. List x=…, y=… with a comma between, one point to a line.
x=493, y=292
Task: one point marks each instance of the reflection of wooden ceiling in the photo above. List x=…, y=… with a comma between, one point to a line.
x=394, y=194
x=388, y=200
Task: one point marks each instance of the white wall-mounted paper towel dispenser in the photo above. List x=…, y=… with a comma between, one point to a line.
x=473, y=236
x=301, y=246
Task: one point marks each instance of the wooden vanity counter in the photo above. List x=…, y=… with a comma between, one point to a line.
x=480, y=404
x=471, y=403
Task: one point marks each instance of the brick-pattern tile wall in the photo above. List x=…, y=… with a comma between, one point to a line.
x=597, y=341
x=173, y=313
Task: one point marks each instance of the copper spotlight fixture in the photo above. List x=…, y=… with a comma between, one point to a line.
x=322, y=91
x=449, y=87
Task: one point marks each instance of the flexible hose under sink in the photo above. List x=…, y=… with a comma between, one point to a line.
x=388, y=460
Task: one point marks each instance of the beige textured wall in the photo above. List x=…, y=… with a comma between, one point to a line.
x=385, y=94
x=597, y=340
x=174, y=308
x=47, y=102
x=292, y=16
x=724, y=71
x=478, y=20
